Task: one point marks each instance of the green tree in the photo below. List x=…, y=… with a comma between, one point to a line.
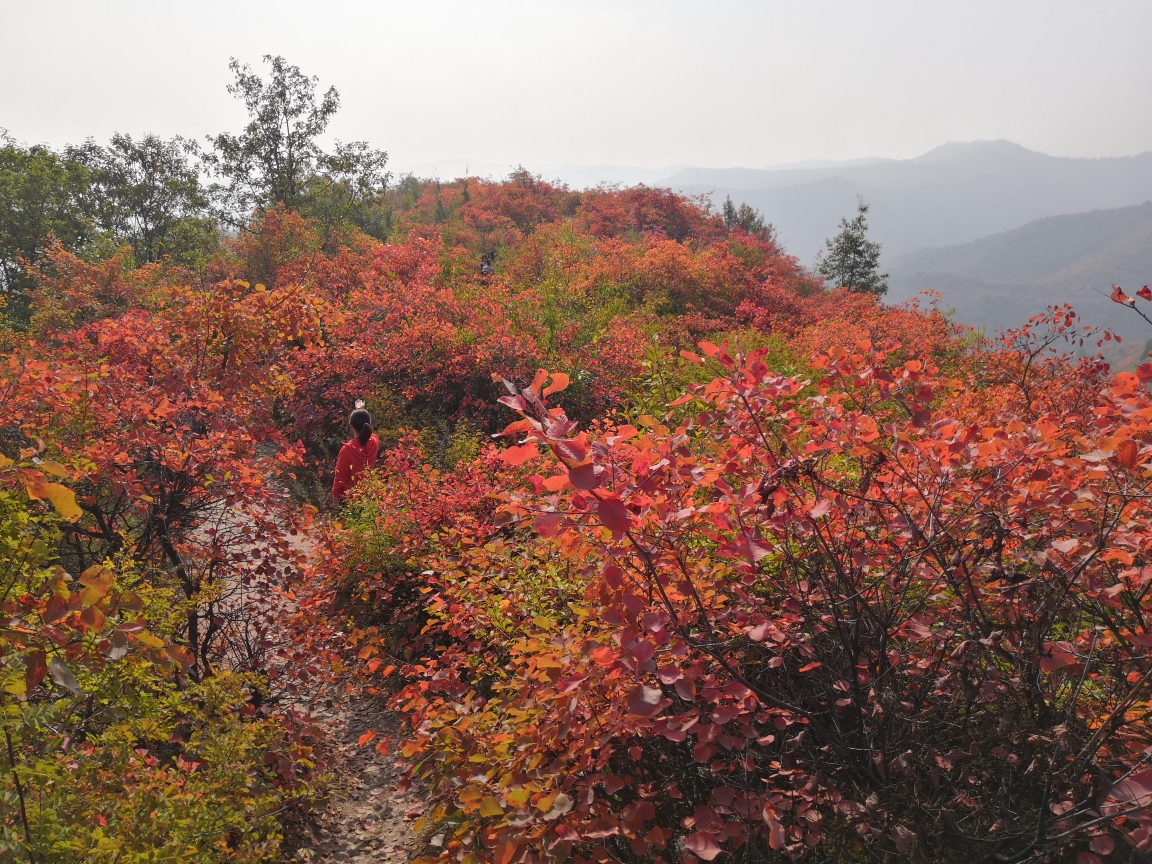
x=852, y=260
x=747, y=219
x=147, y=194
x=348, y=189
x=271, y=161
x=277, y=159
x=43, y=195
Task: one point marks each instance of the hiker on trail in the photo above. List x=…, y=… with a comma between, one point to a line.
x=358, y=453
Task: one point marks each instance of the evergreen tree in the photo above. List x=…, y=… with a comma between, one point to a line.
x=747, y=219
x=852, y=260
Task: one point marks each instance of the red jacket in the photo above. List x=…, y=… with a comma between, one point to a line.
x=354, y=458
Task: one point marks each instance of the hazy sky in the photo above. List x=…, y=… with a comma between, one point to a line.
x=625, y=82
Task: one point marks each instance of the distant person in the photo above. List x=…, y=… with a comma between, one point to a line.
x=486, y=268
x=357, y=454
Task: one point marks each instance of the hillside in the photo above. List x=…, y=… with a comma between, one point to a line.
x=953, y=194
x=999, y=281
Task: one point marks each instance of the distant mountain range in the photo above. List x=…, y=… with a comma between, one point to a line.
x=1000, y=281
x=953, y=194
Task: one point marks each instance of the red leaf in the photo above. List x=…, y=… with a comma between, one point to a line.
x=1118, y=296
x=776, y=839
x=504, y=852
x=810, y=666
x=709, y=349
x=904, y=838
x=1144, y=293
x=1136, y=788
x=538, y=381
x=547, y=524
x=515, y=427
x=566, y=832
x=586, y=477
x=365, y=738
x=704, y=844
x=35, y=668
x=614, y=515
x=1056, y=655
x=760, y=632
x=645, y=701
x=1102, y=844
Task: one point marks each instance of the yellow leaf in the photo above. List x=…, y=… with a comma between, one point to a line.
x=5, y=461
x=149, y=640
x=543, y=623
x=471, y=796
x=16, y=686
x=97, y=582
x=64, y=500
x=518, y=796
x=490, y=807
x=54, y=468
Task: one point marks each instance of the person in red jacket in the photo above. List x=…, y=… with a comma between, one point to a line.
x=357, y=454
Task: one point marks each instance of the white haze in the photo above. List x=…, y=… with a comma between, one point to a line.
x=628, y=90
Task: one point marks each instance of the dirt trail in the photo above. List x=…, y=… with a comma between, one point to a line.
x=367, y=819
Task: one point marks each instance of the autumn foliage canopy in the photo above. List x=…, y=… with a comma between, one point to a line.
x=671, y=554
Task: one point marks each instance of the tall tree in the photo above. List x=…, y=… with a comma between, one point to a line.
x=147, y=193
x=852, y=260
x=43, y=195
x=277, y=158
x=272, y=159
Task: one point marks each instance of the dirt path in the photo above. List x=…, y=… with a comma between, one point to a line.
x=367, y=818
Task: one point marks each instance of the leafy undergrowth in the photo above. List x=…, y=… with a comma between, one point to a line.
x=893, y=607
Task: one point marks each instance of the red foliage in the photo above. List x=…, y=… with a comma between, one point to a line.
x=849, y=614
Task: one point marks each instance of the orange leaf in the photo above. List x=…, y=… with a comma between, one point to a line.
x=1127, y=452
x=559, y=382
x=520, y=455
x=365, y=738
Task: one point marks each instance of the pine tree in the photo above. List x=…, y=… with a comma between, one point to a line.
x=748, y=219
x=852, y=259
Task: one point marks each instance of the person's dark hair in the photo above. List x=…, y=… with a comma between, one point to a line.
x=361, y=421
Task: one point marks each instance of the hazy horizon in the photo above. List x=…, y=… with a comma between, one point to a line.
x=638, y=85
